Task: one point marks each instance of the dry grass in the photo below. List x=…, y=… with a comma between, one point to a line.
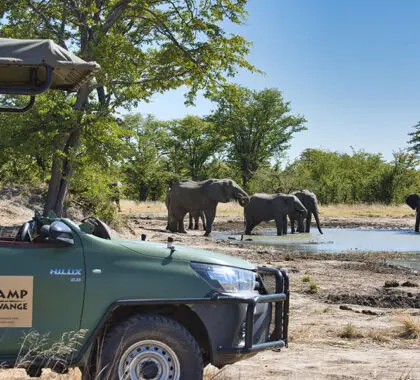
x=36, y=345
x=313, y=286
x=379, y=336
x=234, y=209
x=367, y=210
x=409, y=327
x=133, y=207
x=20, y=374
x=350, y=332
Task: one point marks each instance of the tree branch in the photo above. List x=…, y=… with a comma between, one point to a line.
x=46, y=21
x=166, y=31
x=114, y=14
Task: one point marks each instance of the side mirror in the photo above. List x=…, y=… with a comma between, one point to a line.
x=59, y=231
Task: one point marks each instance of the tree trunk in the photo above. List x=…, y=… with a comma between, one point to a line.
x=56, y=170
x=61, y=172
x=62, y=167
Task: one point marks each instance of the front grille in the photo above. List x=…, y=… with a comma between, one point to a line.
x=267, y=281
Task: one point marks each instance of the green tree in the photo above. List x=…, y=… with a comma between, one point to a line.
x=351, y=178
x=27, y=140
x=257, y=125
x=414, y=140
x=146, y=169
x=191, y=142
x=399, y=177
x=27, y=144
x=143, y=47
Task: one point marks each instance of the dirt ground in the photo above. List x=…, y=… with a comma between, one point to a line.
x=344, y=322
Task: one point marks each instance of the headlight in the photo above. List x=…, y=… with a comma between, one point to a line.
x=226, y=279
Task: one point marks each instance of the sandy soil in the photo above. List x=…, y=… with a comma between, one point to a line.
x=348, y=294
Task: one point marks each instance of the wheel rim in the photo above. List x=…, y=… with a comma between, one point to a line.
x=149, y=360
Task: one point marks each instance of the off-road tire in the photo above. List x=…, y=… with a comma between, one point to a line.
x=150, y=327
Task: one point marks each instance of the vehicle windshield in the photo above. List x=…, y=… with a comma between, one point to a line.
x=96, y=227
x=39, y=227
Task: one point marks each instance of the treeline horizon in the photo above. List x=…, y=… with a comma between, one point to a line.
x=147, y=154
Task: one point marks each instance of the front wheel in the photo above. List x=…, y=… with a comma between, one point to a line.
x=150, y=347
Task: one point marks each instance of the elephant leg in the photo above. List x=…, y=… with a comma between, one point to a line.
x=249, y=226
x=308, y=222
x=285, y=225
x=173, y=225
x=180, y=225
x=210, y=215
x=196, y=220
x=203, y=219
x=416, y=228
x=190, y=224
x=181, y=228
x=292, y=224
x=279, y=225
x=300, y=226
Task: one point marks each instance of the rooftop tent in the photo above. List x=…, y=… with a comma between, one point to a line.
x=30, y=67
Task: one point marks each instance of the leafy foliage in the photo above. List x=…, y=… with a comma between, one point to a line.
x=191, y=141
x=360, y=177
x=143, y=47
x=257, y=126
x=147, y=170
x=414, y=140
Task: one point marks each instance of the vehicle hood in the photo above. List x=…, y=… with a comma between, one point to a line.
x=160, y=250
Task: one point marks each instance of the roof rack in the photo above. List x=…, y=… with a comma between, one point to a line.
x=31, y=67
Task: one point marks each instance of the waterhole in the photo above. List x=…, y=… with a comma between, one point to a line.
x=337, y=240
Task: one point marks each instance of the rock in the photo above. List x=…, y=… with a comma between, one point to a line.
x=345, y=307
x=391, y=284
x=410, y=284
x=370, y=312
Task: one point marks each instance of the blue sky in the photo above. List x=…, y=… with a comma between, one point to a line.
x=350, y=67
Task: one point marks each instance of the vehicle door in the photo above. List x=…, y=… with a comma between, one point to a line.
x=41, y=291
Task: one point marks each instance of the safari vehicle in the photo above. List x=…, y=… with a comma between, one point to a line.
x=143, y=310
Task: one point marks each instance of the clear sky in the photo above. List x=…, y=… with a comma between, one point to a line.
x=350, y=67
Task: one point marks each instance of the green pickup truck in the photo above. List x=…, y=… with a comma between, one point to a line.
x=148, y=310
x=72, y=296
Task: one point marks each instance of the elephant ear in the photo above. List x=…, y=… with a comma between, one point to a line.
x=218, y=192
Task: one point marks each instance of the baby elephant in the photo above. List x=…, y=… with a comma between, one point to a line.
x=196, y=215
x=265, y=207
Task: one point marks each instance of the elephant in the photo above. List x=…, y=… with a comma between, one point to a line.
x=186, y=196
x=413, y=200
x=196, y=215
x=309, y=200
x=193, y=215
x=265, y=207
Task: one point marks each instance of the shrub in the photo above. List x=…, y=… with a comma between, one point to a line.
x=350, y=332
x=313, y=287
x=410, y=327
x=306, y=278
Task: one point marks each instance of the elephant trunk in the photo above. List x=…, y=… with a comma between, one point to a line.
x=316, y=215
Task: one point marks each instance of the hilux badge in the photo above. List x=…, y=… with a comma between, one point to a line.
x=65, y=272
